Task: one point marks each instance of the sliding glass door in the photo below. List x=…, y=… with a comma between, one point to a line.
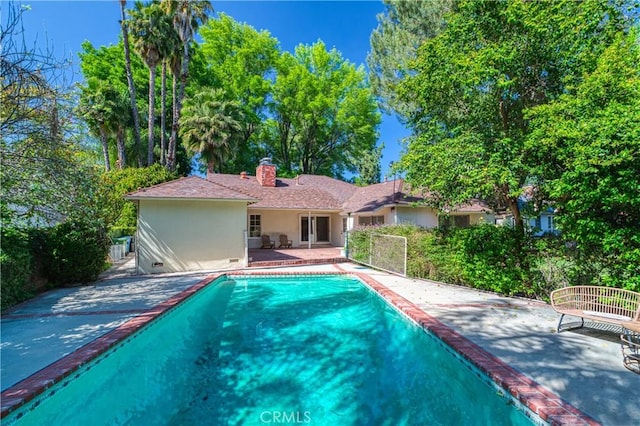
x=316, y=231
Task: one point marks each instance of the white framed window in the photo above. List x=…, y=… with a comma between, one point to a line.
x=255, y=226
x=370, y=220
x=455, y=221
x=463, y=221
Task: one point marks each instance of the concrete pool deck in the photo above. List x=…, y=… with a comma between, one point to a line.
x=583, y=367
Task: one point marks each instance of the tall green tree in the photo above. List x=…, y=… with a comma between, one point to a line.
x=241, y=61
x=404, y=26
x=474, y=81
x=122, y=120
x=42, y=169
x=115, y=184
x=324, y=113
x=212, y=126
x=586, y=145
x=106, y=110
x=149, y=28
x=106, y=64
x=187, y=17
x=166, y=64
x=132, y=88
x=369, y=168
x=170, y=59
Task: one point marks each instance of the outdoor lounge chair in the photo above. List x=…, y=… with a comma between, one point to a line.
x=267, y=243
x=285, y=242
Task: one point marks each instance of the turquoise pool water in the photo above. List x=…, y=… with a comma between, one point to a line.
x=319, y=350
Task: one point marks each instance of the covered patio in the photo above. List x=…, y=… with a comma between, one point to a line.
x=295, y=256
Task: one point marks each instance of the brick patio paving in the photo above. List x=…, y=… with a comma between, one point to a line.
x=295, y=256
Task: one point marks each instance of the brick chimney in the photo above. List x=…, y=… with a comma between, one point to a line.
x=266, y=173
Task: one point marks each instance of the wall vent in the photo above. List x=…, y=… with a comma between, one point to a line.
x=235, y=260
x=157, y=264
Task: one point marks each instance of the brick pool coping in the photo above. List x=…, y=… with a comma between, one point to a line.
x=547, y=405
x=544, y=403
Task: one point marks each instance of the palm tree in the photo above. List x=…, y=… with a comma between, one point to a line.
x=121, y=113
x=187, y=15
x=132, y=88
x=175, y=63
x=105, y=110
x=211, y=126
x=168, y=61
x=148, y=26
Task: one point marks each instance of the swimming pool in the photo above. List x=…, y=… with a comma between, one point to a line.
x=277, y=349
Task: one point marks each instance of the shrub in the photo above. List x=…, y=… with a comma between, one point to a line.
x=16, y=266
x=116, y=183
x=428, y=256
x=358, y=244
x=483, y=256
x=121, y=231
x=500, y=259
x=552, y=265
x=550, y=272
x=492, y=258
x=74, y=253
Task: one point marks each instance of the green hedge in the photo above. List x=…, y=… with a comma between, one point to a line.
x=426, y=251
x=122, y=231
x=16, y=264
x=485, y=256
x=118, y=182
x=491, y=258
x=73, y=253
x=37, y=258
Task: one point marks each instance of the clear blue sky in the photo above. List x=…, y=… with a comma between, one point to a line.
x=345, y=25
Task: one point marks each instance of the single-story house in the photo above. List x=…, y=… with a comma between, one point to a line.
x=194, y=223
x=543, y=223
x=190, y=224
x=538, y=216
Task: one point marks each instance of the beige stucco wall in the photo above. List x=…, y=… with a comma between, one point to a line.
x=478, y=218
x=276, y=222
x=335, y=225
x=190, y=235
x=421, y=216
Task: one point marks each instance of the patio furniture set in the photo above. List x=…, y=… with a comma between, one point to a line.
x=608, y=305
x=267, y=242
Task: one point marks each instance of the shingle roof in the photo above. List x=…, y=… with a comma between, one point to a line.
x=374, y=197
x=191, y=187
x=306, y=192
x=411, y=195
x=474, y=206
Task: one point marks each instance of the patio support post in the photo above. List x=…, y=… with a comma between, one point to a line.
x=346, y=236
x=245, y=237
x=136, y=240
x=309, y=230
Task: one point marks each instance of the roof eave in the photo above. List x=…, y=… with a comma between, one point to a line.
x=141, y=198
x=298, y=208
